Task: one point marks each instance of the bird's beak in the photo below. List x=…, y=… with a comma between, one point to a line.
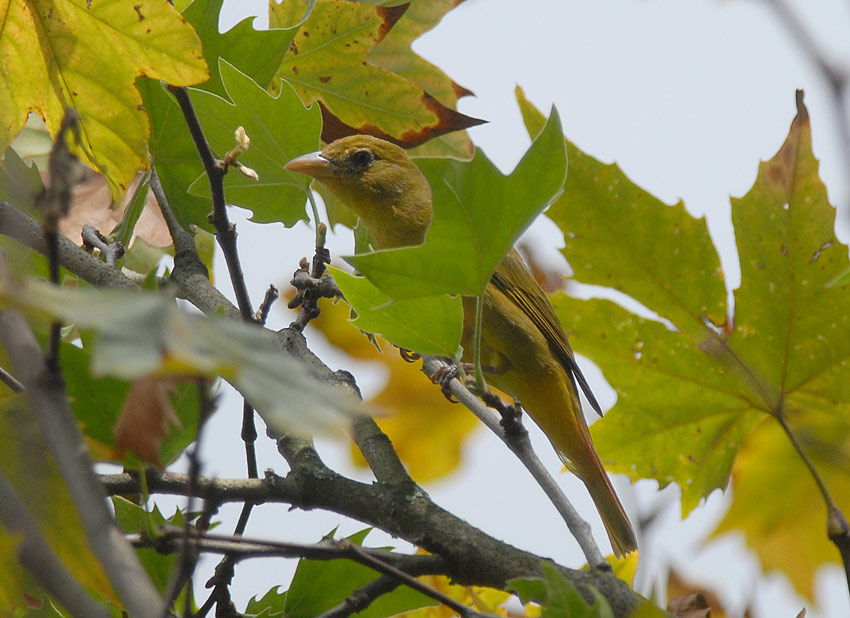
x=313, y=164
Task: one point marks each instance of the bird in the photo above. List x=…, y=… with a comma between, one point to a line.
x=524, y=349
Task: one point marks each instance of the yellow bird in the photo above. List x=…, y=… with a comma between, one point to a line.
x=524, y=350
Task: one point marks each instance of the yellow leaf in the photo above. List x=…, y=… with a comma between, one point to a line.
x=776, y=503
x=69, y=54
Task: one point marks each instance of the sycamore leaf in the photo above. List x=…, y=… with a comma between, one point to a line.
x=318, y=586
x=478, y=215
x=20, y=183
x=688, y=397
x=558, y=596
x=327, y=62
x=776, y=503
x=143, y=333
x=134, y=519
x=73, y=54
x=279, y=127
x=27, y=464
x=394, y=54
x=257, y=53
x=430, y=325
x=426, y=430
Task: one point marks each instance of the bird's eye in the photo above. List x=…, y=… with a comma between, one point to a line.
x=362, y=158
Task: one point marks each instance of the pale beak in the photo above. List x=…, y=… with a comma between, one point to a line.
x=313, y=164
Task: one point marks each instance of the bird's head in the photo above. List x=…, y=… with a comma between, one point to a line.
x=379, y=182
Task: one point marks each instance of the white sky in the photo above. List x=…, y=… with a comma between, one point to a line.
x=686, y=97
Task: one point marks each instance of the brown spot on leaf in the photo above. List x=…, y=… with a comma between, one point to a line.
x=295, y=69
x=324, y=78
x=448, y=120
x=389, y=16
x=138, y=9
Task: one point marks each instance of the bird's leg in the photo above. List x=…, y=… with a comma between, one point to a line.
x=443, y=377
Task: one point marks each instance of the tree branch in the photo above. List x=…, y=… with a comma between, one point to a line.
x=520, y=446
x=471, y=557
x=42, y=563
x=48, y=402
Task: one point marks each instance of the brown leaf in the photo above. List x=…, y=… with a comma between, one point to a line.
x=91, y=204
x=143, y=423
x=689, y=606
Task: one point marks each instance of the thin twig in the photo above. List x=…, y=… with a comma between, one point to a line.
x=55, y=202
x=837, y=527
x=225, y=230
x=240, y=548
x=271, y=296
x=362, y=598
x=24, y=229
x=11, y=381
x=189, y=551
x=313, y=286
x=517, y=440
x=111, y=251
x=183, y=239
x=387, y=569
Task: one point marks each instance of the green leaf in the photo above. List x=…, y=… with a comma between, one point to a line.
x=610, y=241
x=134, y=519
x=430, y=325
x=478, y=215
x=174, y=155
x=688, y=396
x=87, y=56
x=327, y=62
x=123, y=233
x=20, y=184
x=318, y=586
x=257, y=53
x=558, y=596
x=280, y=128
x=142, y=333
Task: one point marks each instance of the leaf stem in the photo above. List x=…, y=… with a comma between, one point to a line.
x=480, y=383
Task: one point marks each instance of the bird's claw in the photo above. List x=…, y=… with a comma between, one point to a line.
x=443, y=376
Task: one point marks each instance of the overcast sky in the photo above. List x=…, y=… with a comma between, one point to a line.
x=687, y=97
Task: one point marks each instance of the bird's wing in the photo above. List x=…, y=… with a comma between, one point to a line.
x=514, y=280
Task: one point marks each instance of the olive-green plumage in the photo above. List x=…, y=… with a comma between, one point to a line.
x=525, y=352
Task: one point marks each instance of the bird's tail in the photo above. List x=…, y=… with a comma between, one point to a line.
x=617, y=523
x=570, y=437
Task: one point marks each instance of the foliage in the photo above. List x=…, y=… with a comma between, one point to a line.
x=707, y=390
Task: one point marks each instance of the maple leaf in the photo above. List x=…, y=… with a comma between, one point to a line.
x=691, y=391
x=327, y=62
x=86, y=56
